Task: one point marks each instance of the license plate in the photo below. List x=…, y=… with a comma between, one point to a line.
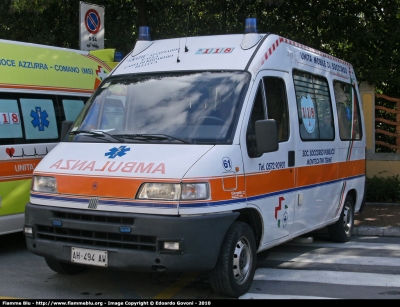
x=89, y=256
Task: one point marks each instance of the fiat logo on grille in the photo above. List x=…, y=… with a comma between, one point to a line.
x=94, y=185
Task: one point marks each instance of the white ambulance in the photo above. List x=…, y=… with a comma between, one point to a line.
x=196, y=153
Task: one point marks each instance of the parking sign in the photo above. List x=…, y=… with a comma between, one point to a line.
x=91, y=26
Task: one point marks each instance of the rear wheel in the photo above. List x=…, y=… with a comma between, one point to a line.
x=64, y=267
x=342, y=230
x=234, y=271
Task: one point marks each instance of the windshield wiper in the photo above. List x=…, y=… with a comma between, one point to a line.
x=95, y=133
x=151, y=137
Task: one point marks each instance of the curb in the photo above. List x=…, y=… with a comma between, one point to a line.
x=376, y=231
x=382, y=204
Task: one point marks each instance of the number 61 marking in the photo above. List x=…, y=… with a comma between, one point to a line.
x=227, y=163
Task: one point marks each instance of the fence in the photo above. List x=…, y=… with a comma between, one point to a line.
x=379, y=130
x=380, y=121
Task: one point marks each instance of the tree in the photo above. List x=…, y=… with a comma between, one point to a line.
x=362, y=32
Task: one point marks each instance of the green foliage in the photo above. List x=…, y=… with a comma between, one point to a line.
x=364, y=33
x=31, y=5
x=383, y=189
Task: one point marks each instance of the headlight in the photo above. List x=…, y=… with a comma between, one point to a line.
x=194, y=191
x=166, y=191
x=174, y=191
x=44, y=184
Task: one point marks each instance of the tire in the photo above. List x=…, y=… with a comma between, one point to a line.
x=342, y=230
x=63, y=267
x=233, y=274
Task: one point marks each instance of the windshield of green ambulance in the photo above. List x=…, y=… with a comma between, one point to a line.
x=195, y=107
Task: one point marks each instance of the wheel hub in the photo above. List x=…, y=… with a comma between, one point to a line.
x=241, y=261
x=347, y=218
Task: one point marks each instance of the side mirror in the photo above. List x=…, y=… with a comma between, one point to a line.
x=66, y=126
x=266, y=136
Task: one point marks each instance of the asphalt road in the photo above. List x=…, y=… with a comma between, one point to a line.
x=365, y=267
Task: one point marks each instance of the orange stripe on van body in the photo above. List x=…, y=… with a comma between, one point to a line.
x=17, y=169
x=351, y=168
x=14, y=178
x=100, y=62
x=281, y=180
x=101, y=186
x=125, y=187
x=256, y=183
x=218, y=192
x=97, y=186
x=273, y=181
x=308, y=175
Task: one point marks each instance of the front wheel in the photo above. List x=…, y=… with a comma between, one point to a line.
x=237, y=260
x=64, y=267
x=342, y=230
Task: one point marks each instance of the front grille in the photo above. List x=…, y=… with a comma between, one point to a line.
x=93, y=218
x=97, y=238
x=93, y=202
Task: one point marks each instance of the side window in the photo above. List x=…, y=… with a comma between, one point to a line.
x=257, y=113
x=314, y=107
x=39, y=119
x=72, y=108
x=10, y=119
x=277, y=107
x=27, y=118
x=348, y=112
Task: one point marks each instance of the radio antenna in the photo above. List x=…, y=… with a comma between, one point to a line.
x=187, y=30
x=179, y=47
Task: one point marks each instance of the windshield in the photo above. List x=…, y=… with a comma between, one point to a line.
x=194, y=107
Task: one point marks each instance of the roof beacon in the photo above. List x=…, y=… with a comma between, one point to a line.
x=144, y=33
x=143, y=42
x=251, y=36
x=251, y=25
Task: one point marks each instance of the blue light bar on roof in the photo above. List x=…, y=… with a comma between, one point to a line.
x=118, y=56
x=251, y=25
x=144, y=33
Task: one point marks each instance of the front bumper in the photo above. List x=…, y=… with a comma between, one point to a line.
x=57, y=230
